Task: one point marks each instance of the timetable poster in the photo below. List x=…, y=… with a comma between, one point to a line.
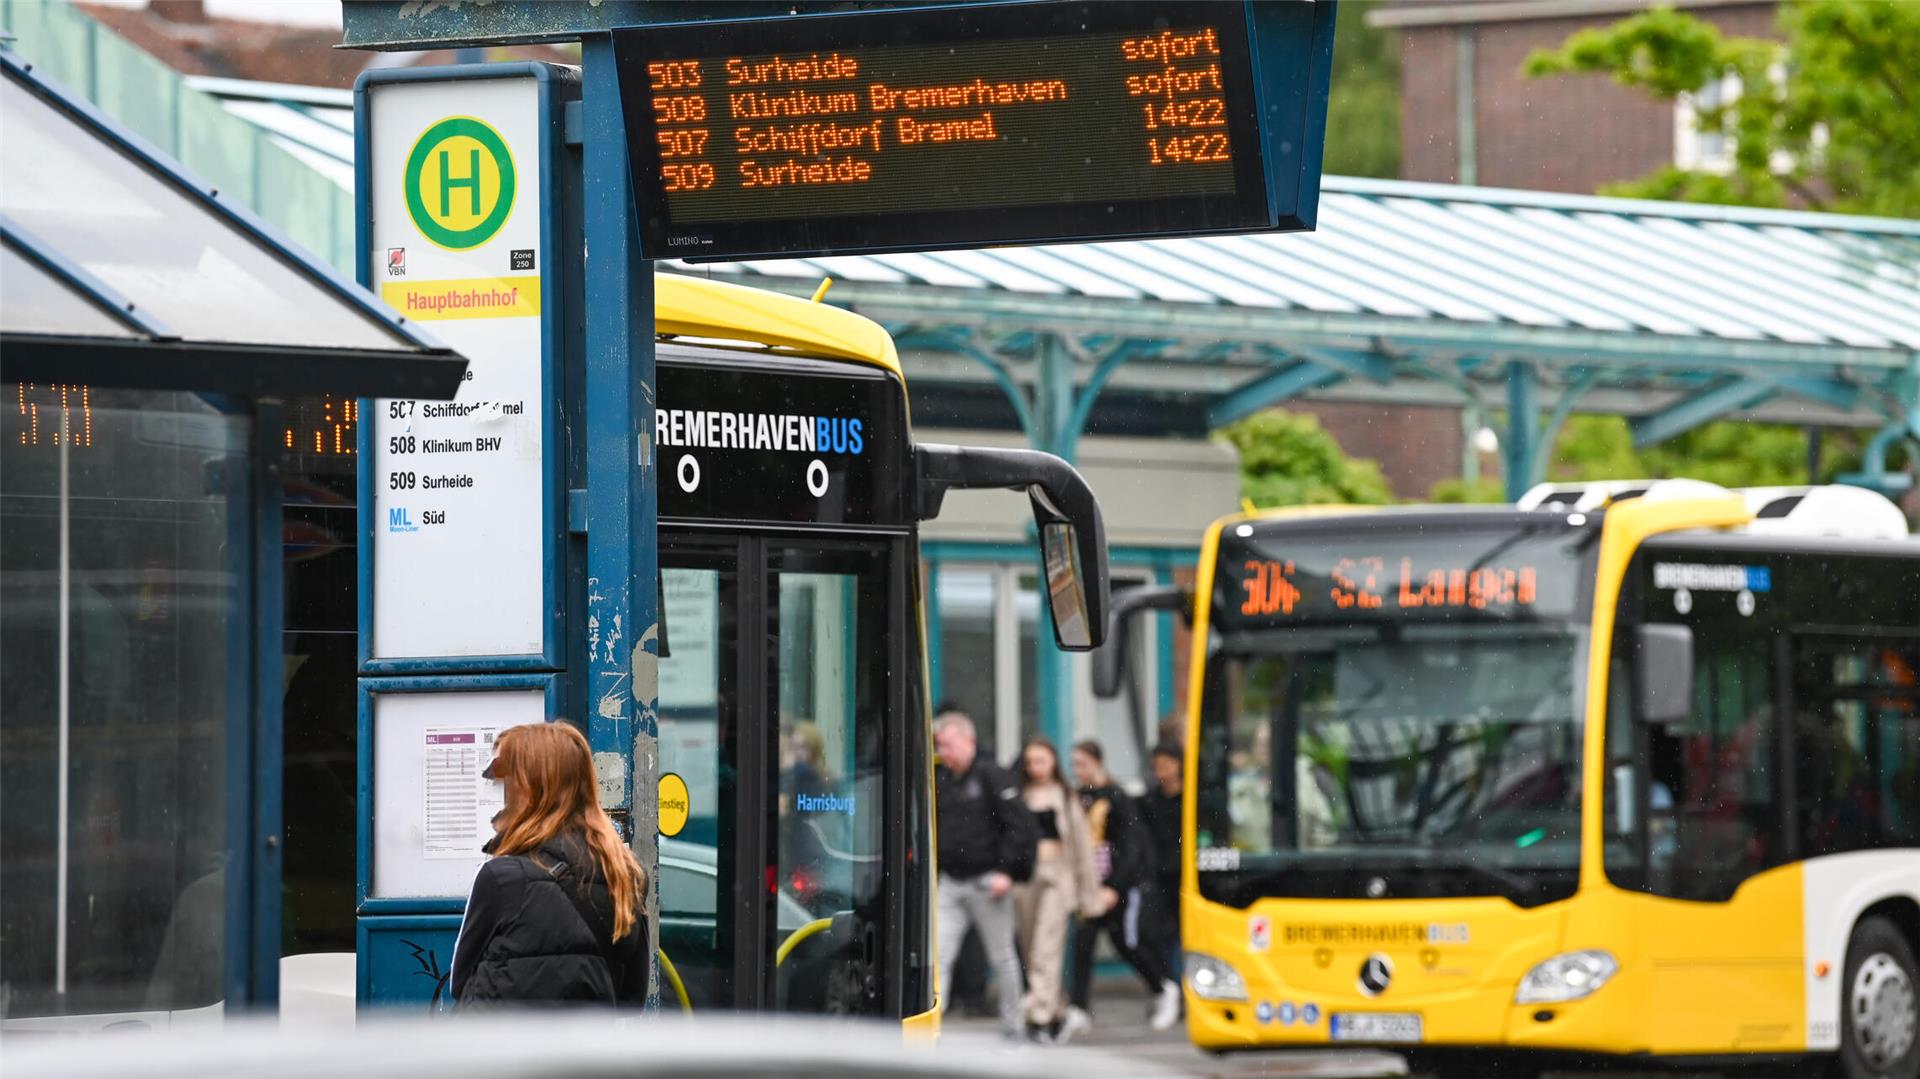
x=458, y=804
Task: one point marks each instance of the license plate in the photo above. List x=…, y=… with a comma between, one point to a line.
x=1374, y=1027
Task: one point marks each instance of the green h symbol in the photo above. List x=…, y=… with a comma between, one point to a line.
x=448, y=181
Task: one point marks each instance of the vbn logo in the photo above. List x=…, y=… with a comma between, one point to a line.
x=459, y=183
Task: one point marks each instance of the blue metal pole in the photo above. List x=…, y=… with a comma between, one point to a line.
x=620, y=638
x=1523, y=429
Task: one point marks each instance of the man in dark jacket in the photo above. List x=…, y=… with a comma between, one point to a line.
x=1160, y=927
x=1123, y=854
x=986, y=842
x=539, y=930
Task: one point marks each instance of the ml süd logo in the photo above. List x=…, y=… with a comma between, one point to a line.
x=400, y=519
x=459, y=183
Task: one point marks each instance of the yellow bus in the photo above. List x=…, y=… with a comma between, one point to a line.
x=796, y=859
x=1630, y=771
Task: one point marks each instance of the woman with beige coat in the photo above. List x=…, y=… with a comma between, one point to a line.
x=1064, y=883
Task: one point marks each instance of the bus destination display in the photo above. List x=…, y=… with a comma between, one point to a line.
x=958, y=126
x=1280, y=579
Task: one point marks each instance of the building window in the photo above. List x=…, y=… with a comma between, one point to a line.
x=1712, y=151
x=1697, y=150
x=969, y=659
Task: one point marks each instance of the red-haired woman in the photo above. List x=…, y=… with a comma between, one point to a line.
x=555, y=917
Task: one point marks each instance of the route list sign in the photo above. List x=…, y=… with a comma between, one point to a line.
x=456, y=487
x=963, y=125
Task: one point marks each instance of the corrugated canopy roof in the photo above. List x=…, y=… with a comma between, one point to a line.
x=122, y=270
x=1636, y=307
x=1506, y=260
x=1672, y=313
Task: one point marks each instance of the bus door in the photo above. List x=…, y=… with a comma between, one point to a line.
x=779, y=722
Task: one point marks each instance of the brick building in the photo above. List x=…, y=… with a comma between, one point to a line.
x=1470, y=116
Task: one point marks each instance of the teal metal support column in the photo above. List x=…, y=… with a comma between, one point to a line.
x=1053, y=417
x=1521, y=445
x=619, y=642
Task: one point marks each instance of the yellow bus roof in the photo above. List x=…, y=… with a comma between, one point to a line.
x=1291, y=513
x=696, y=307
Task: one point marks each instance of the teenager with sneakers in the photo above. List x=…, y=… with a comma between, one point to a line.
x=1123, y=857
x=1064, y=883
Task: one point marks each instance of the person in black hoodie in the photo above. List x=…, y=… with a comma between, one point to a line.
x=1123, y=856
x=1160, y=807
x=555, y=918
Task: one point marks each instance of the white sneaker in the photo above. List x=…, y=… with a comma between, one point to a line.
x=1166, y=1009
x=1076, y=1023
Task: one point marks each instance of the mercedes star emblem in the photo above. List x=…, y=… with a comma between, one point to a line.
x=1376, y=974
x=1376, y=887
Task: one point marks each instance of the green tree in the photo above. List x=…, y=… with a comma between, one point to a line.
x=1830, y=115
x=1363, y=110
x=1484, y=489
x=1728, y=453
x=1288, y=459
x=1732, y=453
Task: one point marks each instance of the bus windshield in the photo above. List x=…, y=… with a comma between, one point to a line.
x=1362, y=753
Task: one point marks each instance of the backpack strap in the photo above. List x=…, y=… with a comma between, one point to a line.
x=587, y=915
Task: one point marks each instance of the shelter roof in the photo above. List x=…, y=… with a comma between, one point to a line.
x=1408, y=292
x=1641, y=305
x=123, y=270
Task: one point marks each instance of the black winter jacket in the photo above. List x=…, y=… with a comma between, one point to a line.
x=1122, y=846
x=538, y=931
x=1161, y=812
x=983, y=824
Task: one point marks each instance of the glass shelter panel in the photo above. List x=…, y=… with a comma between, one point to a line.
x=123, y=523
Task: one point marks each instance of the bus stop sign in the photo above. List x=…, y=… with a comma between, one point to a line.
x=974, y=125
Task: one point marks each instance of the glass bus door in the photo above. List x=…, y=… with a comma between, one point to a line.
x=774, y=700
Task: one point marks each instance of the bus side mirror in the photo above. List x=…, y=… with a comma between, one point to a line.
x=1073, y=538
x=1663, y=669
x=1110, y=662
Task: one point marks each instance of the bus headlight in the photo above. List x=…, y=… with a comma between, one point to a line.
x=1213, y=979
x=1566, y=977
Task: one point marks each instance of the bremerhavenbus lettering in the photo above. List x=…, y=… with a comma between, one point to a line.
x=1708, y=577
x=1361, y=934
x=758, y=431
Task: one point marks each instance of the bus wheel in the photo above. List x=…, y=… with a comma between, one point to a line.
x=1880, y=1004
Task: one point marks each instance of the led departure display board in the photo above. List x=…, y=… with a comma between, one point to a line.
x=959, y=126
x=1284, y=577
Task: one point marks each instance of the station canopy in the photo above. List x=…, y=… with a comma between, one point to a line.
x=122, y=270
x=1673, y=314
